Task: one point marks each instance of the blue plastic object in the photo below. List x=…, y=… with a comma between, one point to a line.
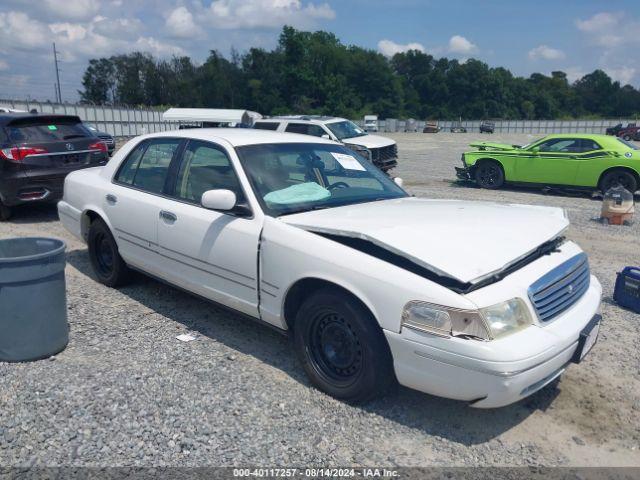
x=33, y=304
x=627, y=291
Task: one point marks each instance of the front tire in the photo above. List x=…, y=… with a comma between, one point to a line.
x=627, y=138
x=342, y=347
x=489, y=175
x=107, y=263
x=618, y=177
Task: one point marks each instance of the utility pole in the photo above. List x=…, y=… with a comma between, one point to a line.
x=55, y=61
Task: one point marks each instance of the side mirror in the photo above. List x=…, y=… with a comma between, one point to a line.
x=223, y=200
x=326, y=135
x=535, y=150
x=398, y=181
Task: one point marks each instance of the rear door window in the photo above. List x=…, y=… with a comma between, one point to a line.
x=53, y=131
x=130, y=165
x=152, y=167
x=589, y=145
x=305, y=129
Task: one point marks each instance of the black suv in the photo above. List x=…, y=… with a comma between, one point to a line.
x=36, y=154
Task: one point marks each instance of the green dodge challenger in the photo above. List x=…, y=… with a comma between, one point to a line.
x=572, y=160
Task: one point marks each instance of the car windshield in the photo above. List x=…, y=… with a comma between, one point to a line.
x=628, y=144
x=298, y=177
x=47, y=131
x=345, y=129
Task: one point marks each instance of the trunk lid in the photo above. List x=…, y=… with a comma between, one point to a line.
x=466, y=241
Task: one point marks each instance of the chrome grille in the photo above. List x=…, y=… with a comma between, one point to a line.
x=559, y=289
x=106, y=139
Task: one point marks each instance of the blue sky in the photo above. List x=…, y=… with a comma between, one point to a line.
x=575, y=36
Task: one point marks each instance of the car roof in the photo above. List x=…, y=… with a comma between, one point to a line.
x=238, y=137
x=591, y=136
x=303, y=118
x=7, y=118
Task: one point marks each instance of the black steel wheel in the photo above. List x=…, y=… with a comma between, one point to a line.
x=618, y=177
x=489, y=175
x=335, y=351
x=106, y=261
x=342, y=347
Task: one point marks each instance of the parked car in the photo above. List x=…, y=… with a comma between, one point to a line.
x=617, y=128
x=370, y=123
x=381, y=151
x=431, y=127
x=107, y=138
x=456, y=127
x=37, y=152
x=573, y=160
x=629, y=133
x=374, y=285
x=487, y=127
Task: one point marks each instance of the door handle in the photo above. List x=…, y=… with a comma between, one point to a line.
x=168, y=216
x=111, y=199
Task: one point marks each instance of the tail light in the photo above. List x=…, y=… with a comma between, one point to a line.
x=99, y=146
x=17, y=154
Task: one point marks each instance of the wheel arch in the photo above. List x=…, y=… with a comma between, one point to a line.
x=88, y=216
x=302, y=288
x=633, y=172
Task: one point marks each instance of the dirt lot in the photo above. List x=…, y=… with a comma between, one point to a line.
x=126, y=392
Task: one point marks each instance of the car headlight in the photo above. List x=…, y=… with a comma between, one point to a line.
x=507, y=317
x=485, y=324
x=444, y=321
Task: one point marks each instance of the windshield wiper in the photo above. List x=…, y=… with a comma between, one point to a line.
x=75, y=135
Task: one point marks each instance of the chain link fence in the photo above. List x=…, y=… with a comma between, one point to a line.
x=128, y=122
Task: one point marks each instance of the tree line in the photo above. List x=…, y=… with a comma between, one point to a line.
x=314, y=73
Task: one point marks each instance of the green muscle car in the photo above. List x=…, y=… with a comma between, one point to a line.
x=572, y=160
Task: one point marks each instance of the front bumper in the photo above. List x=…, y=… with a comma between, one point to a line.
x=464, y=173
x=487, y=380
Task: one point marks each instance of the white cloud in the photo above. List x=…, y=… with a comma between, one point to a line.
x=71, y=9
x=238, y=14
x=599, y=22
x=180, y=24
x=546, y=53
x=459, y=44
x=19, y=31
x=608, y=29
x=624, y=74
x=120, y=28
x=574, y=73
x=389, y=48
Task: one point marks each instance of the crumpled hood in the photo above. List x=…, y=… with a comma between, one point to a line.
x=463, y=240
x=369, y=141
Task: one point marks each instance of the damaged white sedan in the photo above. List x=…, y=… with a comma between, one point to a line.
x=478, y=302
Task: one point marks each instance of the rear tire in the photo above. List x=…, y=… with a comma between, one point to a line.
x=627, y=138
x=107, y=263
x=618, y=176
x=5, y=212
x=489, y=175
x=342, y=347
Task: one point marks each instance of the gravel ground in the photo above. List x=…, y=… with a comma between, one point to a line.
x=127, y=393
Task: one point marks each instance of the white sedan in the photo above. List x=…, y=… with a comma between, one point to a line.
x=479, y=302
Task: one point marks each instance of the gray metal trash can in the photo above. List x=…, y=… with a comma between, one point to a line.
x=33, y=303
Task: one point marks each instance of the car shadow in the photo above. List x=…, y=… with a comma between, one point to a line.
x=537, y=190
x=450, y=419
x=34, y=213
